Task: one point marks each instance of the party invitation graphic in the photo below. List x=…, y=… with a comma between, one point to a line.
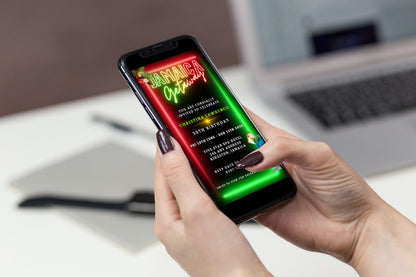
x=208, y=122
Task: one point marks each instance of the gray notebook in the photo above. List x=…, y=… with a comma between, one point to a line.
x=109, y=172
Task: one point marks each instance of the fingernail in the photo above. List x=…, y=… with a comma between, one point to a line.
x=164, y=141
x=250, y=160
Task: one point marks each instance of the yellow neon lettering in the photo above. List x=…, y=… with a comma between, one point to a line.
x=167, y=74
x=188, y=68
x=182, y=70
x=158, y=80
x=178, y=74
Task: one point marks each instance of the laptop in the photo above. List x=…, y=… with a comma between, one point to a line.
x=342, y=71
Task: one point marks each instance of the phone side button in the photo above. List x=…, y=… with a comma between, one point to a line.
x=151, y=115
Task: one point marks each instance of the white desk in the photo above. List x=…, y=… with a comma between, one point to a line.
x=47, y=243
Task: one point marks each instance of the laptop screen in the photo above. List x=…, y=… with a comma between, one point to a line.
x=290, y=31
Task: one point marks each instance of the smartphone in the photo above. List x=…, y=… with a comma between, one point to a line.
x=183, y=93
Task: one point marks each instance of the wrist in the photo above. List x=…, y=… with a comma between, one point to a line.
x=386, y=245
x=258, y=270
x=250, y=273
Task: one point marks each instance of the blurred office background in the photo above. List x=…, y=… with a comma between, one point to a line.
x=52, y=51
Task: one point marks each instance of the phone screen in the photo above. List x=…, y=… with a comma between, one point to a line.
x=208, y=122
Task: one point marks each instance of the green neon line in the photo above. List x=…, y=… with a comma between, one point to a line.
x=254, y=182
x=231, y=102
x=258, y=183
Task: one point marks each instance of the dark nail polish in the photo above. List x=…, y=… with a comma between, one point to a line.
x=164, y=141
x=250, y=160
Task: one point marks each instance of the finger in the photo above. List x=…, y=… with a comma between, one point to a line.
x=166, y=207
x=265, y=128
x=162, y=190
x=281, y=149
x=180, y=178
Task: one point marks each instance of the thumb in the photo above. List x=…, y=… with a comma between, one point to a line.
x=279, y=149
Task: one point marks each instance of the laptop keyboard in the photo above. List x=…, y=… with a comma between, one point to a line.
x=342, y=104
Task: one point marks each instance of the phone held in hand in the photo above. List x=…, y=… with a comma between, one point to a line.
x=183, y=93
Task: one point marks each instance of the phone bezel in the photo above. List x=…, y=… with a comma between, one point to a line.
x=245, y=207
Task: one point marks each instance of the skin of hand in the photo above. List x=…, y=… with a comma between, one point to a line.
x=334, y=210
x=194, y=232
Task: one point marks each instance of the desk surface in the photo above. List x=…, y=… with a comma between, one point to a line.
x=47, y=243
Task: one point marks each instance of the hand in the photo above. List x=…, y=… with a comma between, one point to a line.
x=334, y=211
x=195, y=233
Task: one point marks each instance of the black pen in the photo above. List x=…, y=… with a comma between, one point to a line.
x=141, y=202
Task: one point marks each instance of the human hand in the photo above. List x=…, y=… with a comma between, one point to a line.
x=334, y=211
x=195, y=233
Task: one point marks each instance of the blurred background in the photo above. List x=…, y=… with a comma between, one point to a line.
x=53, y=51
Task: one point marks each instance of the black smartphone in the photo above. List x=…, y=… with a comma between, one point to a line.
x=183, y=93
